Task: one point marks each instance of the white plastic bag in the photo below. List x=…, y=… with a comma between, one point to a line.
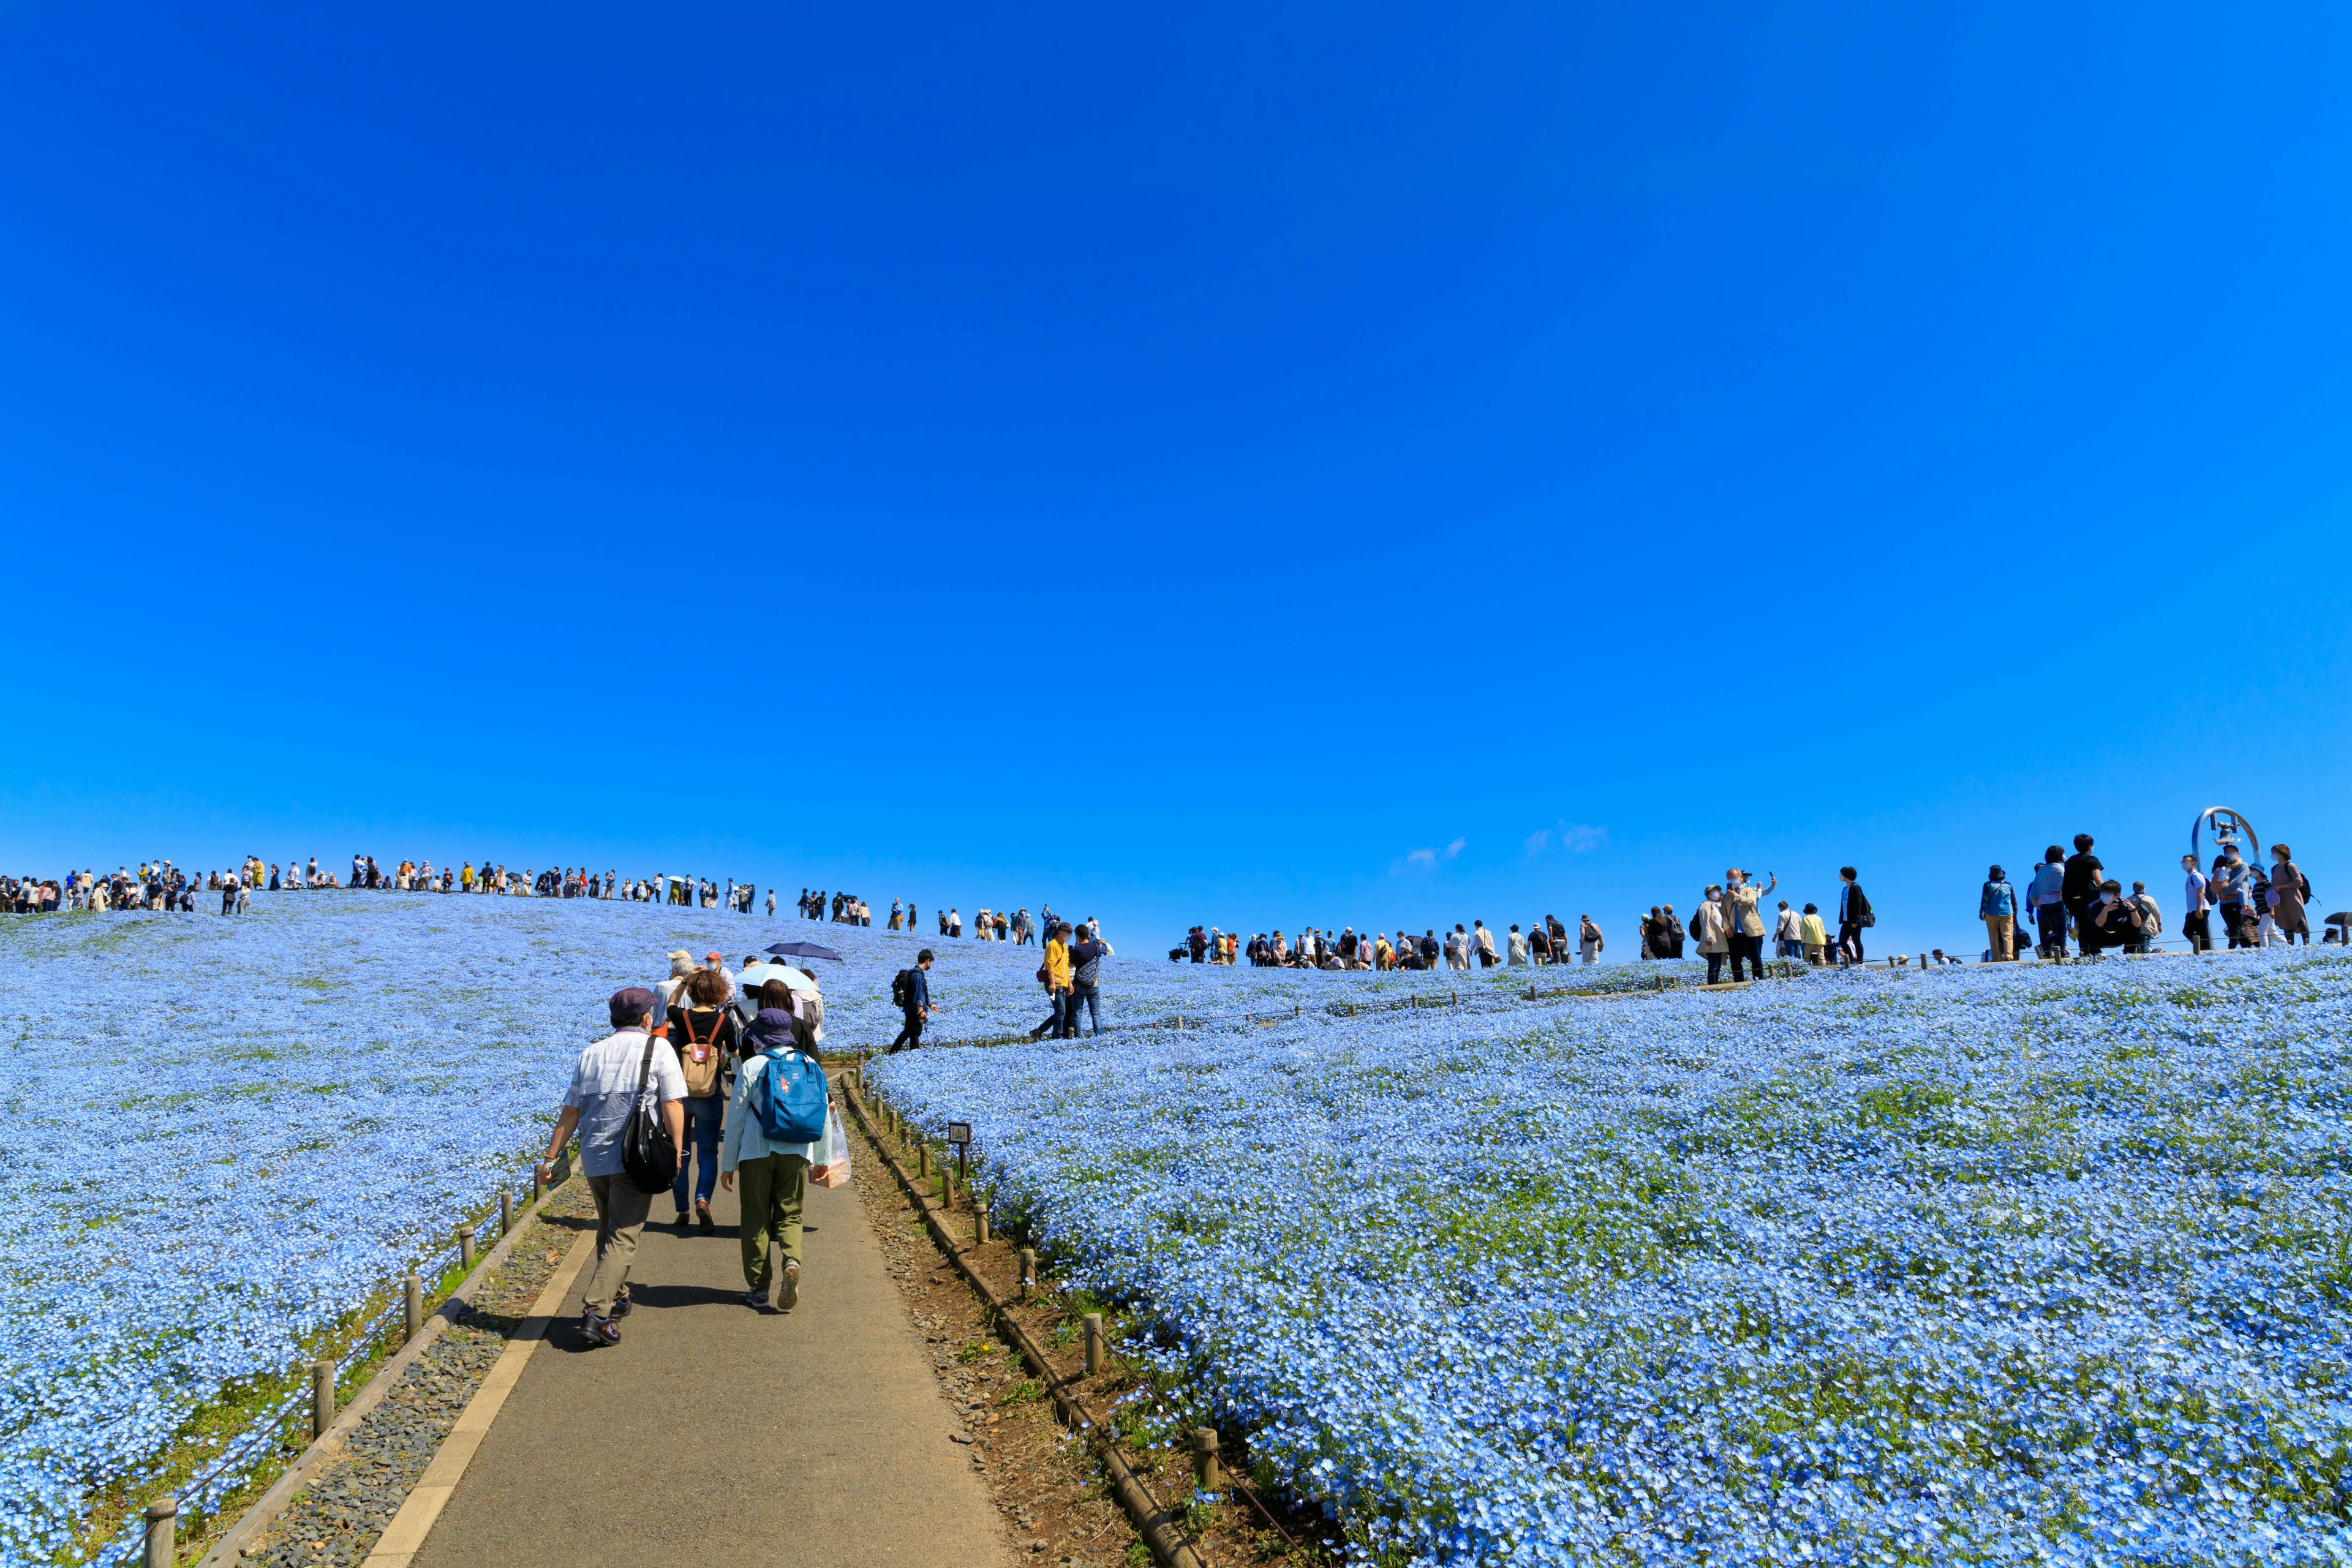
x=834, y=1169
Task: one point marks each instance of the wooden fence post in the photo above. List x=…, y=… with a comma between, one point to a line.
x=1208, y=1475
x=322, y=1397
x=162, y=1533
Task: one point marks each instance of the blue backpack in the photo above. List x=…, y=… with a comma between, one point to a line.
x=792, y=1098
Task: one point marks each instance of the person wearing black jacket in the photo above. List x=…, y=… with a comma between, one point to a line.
x=1086, y=954
x=1853, y=914
x=2080, y=889
x=2112, y=920
x=916, y=1003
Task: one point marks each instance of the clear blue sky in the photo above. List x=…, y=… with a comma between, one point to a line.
x=1180, y=464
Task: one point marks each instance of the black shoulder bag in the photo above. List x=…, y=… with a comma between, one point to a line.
x=648, y=1154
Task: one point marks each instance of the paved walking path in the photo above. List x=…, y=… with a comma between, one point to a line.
x=712, y=1434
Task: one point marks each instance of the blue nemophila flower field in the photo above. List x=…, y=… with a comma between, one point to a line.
x=1983, y=1265
x=232, y=1132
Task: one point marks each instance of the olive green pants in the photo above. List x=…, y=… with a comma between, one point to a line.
x=772, y=1188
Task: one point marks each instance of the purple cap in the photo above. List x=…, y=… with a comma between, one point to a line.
x=630, y=1003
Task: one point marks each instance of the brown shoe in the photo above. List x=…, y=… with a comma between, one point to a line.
x=702, y=1216
x=681, y=1220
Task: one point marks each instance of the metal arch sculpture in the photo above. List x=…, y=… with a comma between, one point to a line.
x=2228, y=827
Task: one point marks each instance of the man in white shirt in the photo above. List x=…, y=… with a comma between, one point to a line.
x=2197, y=925
x=606, y=1085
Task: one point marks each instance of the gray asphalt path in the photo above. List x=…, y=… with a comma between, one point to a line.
x=712, y=1434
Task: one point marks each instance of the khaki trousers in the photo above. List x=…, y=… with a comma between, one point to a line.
x=621, y=1212
x=772, y=1188
x=2001, y=933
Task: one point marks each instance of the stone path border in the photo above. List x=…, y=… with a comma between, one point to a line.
x=406, y=1534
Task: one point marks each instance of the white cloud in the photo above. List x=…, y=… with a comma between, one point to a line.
x=1421, y=857
x=1456, y=847
x=1576, y=838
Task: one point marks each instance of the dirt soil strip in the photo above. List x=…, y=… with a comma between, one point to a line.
x=338, y=1514
x=1048, y=1483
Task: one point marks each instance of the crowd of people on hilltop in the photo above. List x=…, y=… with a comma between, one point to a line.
x=2067, y=897
x=2073, y=895
x=987, y=925
x=165, y=887
x=1546, y=940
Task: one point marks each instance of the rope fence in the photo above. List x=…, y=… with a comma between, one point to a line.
x=149, y=1534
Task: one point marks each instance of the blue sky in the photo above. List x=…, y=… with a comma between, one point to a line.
x=1376, y=465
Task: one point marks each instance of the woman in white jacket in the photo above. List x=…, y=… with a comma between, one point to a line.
x=775, y=1175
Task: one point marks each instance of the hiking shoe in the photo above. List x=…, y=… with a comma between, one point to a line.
x=756, y=1299
x=788, y=1294
x=599, y=1331
x=702, y=1216
x=620, y=1307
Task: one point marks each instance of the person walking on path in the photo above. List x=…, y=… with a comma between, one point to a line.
x=673, y=990
x=1085, y=979
x=774, y=1174
x=1676, y=934
x=914, y=1003
x=2085, y=880
x=2197, y=923
x=1485, y=941
x=608, y=1082
x=1997, y=907
x=1740, y=898
x=702, y=1031
x=1516, y=945
x=2289, y=895
x=1854, y=914
x=1056, y=972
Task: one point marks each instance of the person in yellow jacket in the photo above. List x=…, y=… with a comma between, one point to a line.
x=1055, y=970
x=1814, y=935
